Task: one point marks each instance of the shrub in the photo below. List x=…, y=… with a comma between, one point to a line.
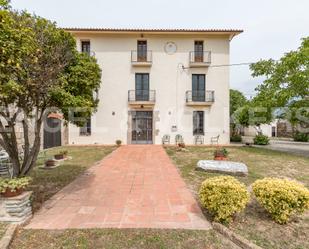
x=301, y=137
x=261, y=140
x=281, y=197
x=236, y=139
x=118, y=142
x=14, y=184
x=223, y=196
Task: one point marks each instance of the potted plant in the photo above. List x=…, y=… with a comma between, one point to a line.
x=50, y=163
x=61, y=155
x=220, y=154
x=10, y=187
x=118, y=142
x=181, y=145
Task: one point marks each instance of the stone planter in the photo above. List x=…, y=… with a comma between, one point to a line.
x=16, y=209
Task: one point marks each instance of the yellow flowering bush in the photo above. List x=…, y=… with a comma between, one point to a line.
x=281, y=197
x=223, y=196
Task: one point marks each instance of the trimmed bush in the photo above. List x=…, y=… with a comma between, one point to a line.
x=236, y=139
x=281, y=197
x=223, y=196
x=301, y=137
x=118, y=142
x=261, y=140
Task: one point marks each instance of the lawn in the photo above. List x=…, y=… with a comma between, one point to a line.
x=254, y=224
x=48, y=182
x=120, y=239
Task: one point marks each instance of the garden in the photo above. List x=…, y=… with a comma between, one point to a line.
x=254, y=212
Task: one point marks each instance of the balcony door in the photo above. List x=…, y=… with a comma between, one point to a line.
x=198, y=51
x=142, y=87
x=141, y=50
x=198, y=87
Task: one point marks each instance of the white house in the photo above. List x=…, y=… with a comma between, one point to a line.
x=157, y=82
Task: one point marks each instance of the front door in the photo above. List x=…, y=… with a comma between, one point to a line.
x=198, y=87
x=52, y=133
x=142, y=127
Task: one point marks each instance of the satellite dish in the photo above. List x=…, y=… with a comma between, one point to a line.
x=170, y=48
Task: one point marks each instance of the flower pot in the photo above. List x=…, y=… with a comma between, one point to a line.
x=220, y=158
x=50, y=163
x=9, y=193
x=60, y=156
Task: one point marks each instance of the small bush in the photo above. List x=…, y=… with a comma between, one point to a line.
x=223, y=196
x=261, y=140
x=236, y=139
x=14, y=183
x=118, y=142
x=281, y=197
x=301, y=137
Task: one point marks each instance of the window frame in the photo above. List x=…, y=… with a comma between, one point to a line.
x=86, y=129
x=82, y=42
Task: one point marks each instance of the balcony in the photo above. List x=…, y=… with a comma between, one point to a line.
x=141, y=58
x=142, y=98
x=200, y=59
x=200, y=98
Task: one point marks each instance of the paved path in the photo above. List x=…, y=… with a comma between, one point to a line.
x=137, y=186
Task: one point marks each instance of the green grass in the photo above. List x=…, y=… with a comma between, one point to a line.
x=120, y=238
x=254, y=223
x=48, y=182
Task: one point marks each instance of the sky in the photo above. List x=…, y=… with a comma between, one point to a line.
x=271, y=27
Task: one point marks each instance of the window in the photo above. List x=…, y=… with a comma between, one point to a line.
x=199, y=51
x=198, y=123
x=86, y=47
x=142, y=87
x=86, y=129
x=141, y=50
x=198, y=87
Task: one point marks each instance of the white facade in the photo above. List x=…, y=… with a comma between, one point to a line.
x=170, y=76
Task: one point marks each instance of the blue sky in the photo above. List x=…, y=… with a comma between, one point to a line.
x=272, y=27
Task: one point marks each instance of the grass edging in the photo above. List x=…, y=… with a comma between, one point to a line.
x=235, y=238
x=8, y=236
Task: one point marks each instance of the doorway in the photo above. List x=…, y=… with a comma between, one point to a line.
x=142, y=127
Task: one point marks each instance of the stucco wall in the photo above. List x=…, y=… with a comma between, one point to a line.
x=170, y=81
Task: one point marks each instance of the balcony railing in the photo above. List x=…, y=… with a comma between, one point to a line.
x=141, y=57
x=142, y=96
x=200, y=58
x=200, y=97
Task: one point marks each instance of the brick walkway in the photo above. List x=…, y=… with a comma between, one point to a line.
x=137, y=186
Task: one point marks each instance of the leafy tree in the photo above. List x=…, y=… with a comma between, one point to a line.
x=286, y=83
x=237, y=101
x=252, y=114
x=40, y=70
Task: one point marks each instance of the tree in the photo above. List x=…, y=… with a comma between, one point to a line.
x=286, y=83
x=40, y=70
x=252, y=114
x=237, y=101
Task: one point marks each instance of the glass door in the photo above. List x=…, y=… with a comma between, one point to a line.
x=142, y=87
x=142, y=127
x=198, y=87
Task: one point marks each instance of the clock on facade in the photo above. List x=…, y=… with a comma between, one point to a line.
x=170, y=48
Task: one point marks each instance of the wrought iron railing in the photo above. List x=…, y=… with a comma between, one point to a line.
x=142, y=95
x=200, y=96
x=200, y=57
x=141, y=56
